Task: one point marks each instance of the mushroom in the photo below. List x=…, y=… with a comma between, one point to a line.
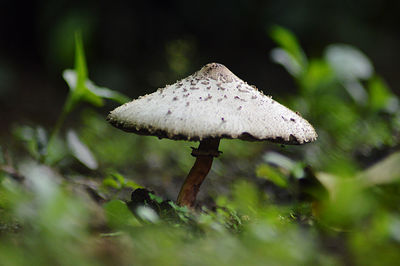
x=207, y=106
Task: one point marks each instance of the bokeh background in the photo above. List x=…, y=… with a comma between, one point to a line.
x=137, y=46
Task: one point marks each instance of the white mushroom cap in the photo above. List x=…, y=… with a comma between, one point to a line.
x=212, y=103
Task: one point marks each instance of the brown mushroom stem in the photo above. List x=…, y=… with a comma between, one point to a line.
x=208, y=149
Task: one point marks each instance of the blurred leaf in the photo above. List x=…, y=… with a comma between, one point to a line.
x=350, y=65
x=182, y=211
x=394, y=227
x=288, y=42
x=79, y=93
x=70, y=76
x=155, y=198
x=118, y=214
x=26, y=135
x=269, y=173
x=356, y=90
x=41, y=138
x=82, y=89
x=50, y=214
x=41, y=179
x=385, y=171
x=334, y=99
x=348, y=206
x=246, y=197
x=35, y=139
x=280, y=56
x=380, y=96
x=77, y=85
x=81, y=151
x=318, y=74
x=292, y=167
x=118, y=181
x=106, y=93
x=111, y=182
x=147, y=214
x=329, y=181
x=117, y=176
x=80, y=61
x=132, y=184
x=56, y=151
x=348, y=62
x=278, y=160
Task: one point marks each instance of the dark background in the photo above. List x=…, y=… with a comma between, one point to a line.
x=133, y=46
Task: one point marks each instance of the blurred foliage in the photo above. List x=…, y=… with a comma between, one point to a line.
x=332, y=202
x=49, y=148
x=353, y=110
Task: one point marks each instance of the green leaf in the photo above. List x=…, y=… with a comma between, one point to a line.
x=350, y=65
x=56, y=150
x=147, y=214
x=118, y=177
x=79, y=90
x=318, y=75
x=278, y=160
x=118, y=181
x=92, y=90
x=348, y=62
x=111, y=182
x=246, y=198
x=288, y=42
x=348, y=205
x=155, y=198
x=118, y=214
x=356, y=90
x=29, y=136
x=282, y=57
x=380, y=96
x=132, y=185
x=80, y=151
x=106, y=93
x=269, y=173
x=385, y=171
x=80, y=60
x=78, y=93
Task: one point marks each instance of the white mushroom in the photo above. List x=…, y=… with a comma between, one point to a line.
x=209, y=105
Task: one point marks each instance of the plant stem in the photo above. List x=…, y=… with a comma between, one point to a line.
x=60, y=121
x=208, y=149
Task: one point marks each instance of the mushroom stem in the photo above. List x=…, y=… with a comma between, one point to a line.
x=208, y=149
